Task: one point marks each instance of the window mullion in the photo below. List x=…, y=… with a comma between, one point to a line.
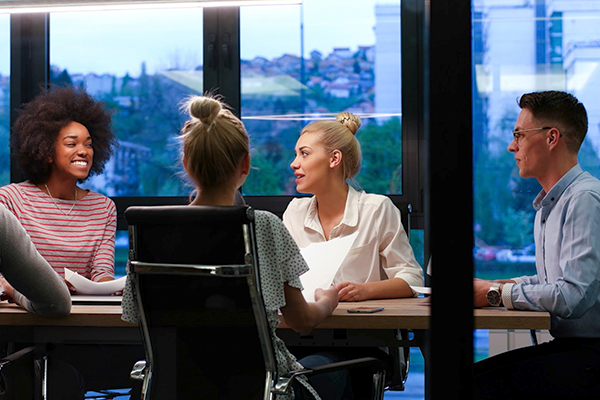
x=29, y=65
x=222, y=54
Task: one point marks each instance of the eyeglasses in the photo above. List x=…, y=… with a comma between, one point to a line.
x=517, y=135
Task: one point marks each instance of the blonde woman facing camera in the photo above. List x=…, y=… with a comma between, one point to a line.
x=216, y=157
x=381, y=263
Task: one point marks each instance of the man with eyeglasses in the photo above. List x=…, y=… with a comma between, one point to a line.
x=548, y=134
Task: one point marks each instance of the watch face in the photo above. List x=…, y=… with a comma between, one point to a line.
x=493, y=297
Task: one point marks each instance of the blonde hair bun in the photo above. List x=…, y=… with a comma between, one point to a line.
x=349, y=120
x=206, y=109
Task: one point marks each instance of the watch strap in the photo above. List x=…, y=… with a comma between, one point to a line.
x=507, y=295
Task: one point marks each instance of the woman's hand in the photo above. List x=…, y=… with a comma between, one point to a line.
x=330, y=294
x=7, y=291
x=72, y=289
x=348, y=291
x=302, y=316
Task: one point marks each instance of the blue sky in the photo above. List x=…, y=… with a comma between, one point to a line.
x=105, y=42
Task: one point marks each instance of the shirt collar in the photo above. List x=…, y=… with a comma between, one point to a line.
x=544, y=199
x=350, y=217
x=351, y=211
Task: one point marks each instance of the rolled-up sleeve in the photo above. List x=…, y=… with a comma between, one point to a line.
x=398, y=258
x=568, y=259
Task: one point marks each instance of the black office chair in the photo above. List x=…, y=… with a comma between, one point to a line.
x=400, y=356
x=204, y=326
x=23, y=374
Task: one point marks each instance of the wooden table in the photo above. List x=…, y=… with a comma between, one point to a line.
x=86, y=324
x=407, y=314
x=415, y=313
x=104, y=324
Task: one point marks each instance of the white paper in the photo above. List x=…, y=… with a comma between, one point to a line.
x=421, y=289
x=96, y=299
x=85, y=286
x=429, y=266
x=324, y=260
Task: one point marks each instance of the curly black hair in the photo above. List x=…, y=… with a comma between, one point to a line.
x=36, y=129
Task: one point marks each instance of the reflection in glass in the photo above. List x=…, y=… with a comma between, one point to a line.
x=309, y=62
x=142, y=64
x=4, y=99
x=520, y=47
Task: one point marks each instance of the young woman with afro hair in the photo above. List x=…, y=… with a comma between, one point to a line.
x=62, y=137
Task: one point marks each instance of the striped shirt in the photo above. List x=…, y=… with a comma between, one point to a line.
x=83, y=240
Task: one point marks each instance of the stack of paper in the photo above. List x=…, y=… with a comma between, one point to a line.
x=324, y=260
x=85, y=286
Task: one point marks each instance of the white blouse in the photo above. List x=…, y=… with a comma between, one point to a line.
x=381, y=249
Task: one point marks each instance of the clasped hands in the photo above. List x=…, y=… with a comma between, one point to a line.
x=345, y=291
x=349, y=291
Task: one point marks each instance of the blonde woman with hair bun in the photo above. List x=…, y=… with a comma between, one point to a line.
x=216, y=156
x=381, y=263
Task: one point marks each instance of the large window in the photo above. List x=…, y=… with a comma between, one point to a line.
x=142, y=64
x=309, y=62
x=298, y=64
x=4, y=99
x=521, y=47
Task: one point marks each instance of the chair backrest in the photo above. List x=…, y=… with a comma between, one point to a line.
x=405, y=212
x=197, y=289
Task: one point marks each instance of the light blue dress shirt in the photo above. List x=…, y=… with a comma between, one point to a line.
x=567, y=257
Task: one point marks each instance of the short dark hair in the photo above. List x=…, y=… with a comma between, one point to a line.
x=36, y=129
x=561, y=108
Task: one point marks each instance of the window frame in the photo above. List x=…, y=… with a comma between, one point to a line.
x=30, y=64
x=430, y=186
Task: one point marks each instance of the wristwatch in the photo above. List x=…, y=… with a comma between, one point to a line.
x=494, y=296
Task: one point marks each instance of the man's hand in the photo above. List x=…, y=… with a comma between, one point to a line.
x=480, y=289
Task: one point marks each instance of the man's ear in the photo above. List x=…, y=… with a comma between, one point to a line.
x=336, y=158
x=553, y=135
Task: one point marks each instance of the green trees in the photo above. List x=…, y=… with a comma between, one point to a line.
x=381, y=146
x=275, y=104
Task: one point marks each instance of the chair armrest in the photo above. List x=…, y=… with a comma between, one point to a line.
x=17, y=355
x=376, y=366
x=139, y=371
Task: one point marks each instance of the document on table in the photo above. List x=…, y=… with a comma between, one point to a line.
x=421, y=289
x=96, y=300
x=324, y=260
x=85, y=286
x=424, y=289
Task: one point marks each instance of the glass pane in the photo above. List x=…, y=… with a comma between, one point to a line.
x=142, y=64
x=520, y=47
x=308, y=62
x=4, y=99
